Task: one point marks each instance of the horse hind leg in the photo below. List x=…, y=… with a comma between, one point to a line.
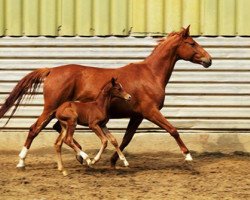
x=35, y=129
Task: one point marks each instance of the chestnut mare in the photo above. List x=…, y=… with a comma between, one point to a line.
x=145, y=81
x=95, y=115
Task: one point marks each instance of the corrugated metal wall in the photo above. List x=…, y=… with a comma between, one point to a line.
x=216, y=98
x=123, y=17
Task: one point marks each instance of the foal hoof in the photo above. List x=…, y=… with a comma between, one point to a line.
x=188, y=157
x=65, y=173
x=126, y=164
x=79, y=158
x=89, y=162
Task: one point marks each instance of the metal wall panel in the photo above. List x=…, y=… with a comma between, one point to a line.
x=48, y=17
x=208, y=17
x=2, y=17
x=13, y=17
x=123, y=17
x=216, y=98
x=31, y=17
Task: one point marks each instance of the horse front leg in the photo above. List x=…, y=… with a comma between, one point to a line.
x=35, y=129
x=157, y=118
x=133, y=124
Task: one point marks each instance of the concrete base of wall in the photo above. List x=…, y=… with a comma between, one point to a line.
x=142, y=142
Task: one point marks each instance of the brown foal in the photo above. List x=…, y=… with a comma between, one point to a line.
x=145, y=81
x=93, y=114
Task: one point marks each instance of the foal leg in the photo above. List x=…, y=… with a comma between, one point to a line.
x=70, y=142
x=130, y=131
x=157, y=118
x=35, y=129
x=58, y=128
x=58, y=148
x=100, y=134
x=113, y=140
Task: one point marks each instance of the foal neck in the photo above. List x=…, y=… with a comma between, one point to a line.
x=103, y=99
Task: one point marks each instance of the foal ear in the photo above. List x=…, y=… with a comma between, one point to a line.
x=185, y=32
x=113, y=81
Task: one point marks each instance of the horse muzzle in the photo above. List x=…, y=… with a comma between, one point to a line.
x=206, y=62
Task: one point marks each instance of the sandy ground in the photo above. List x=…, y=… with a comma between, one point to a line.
x=157, y=175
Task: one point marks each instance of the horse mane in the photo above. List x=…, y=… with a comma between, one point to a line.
x=165, y=38
x=162, y=40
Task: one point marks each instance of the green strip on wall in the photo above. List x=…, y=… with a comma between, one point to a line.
x=13, y=23
x=173, y=15
x=243, y=17
x=84, y=19
x=155, y=17
x=138, y=18
x=67, y=18
x=48, y=18
x=31, y=17
x=101, y=15
x=227, y=17
x=209, y=17
x=2, y=17
x=119, y=17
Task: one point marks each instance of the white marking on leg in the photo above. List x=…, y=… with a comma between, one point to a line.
x=188, y=157
x=22, y=156
x=23, y=153
x=85, y=157
x=126, y=164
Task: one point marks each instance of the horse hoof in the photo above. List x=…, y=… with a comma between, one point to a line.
x=188, y=157
x=20, y=168
x=79, y=158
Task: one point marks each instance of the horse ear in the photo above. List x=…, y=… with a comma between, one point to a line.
x=113, y=81
x=185, y=32
x=161, y=40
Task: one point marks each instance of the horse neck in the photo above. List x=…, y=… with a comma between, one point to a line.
x=162, y=60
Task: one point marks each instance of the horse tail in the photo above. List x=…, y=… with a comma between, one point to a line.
x=27, y=86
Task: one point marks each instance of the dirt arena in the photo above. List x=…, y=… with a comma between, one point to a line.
x=157, y=175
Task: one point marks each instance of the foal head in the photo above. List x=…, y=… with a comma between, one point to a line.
x=190, y=50
x=115, y=89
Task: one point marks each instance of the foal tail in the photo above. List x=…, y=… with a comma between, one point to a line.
x=27, y=86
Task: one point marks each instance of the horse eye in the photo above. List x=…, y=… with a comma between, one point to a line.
x=192, y=44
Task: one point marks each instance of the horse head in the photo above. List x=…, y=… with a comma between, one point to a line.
x=190, y=50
